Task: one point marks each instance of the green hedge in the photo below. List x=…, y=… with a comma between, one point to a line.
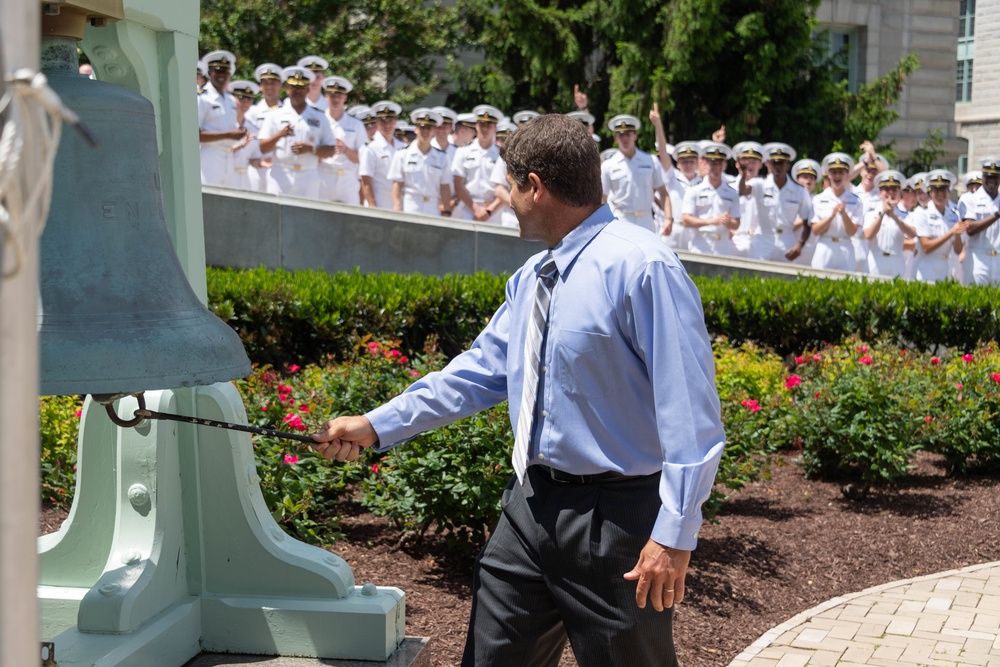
x=309, y=316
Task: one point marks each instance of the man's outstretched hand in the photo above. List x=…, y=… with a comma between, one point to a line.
x=343, y=438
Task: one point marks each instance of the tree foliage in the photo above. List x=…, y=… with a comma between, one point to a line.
x=376, y=44
x=755, y=66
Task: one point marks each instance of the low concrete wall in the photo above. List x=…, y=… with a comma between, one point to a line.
x=247, y=230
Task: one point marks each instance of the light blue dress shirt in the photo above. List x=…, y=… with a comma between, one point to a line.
x=628, y=377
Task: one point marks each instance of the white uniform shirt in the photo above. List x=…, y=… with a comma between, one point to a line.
x=475, y=164
x=930, y=222
x=376, y=159
x=448, y=148
x=871, y=201
x=834, y=249
x=823, y=205
x=351, y=131
x=707, y=202
x=320, y=103
x=677, y=184
x=499, y=177
x=259, y=111
x=242, y=157
x=422, y=175
x=978, y=206
x=778, y=208
x=888, y=241
x=310, y=127
x=217, y=113
x=629, y=184
x=774, y=210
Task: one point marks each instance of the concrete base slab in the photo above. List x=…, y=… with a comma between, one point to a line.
x=413, y=652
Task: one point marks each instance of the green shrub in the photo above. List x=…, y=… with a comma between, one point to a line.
x=962, y=414
x=59, y=421
x=450, y=478
x=310, y=316
x=857, y=411
x=745, y=376
x=300, y=487
x=303, y=317
x=789, y=316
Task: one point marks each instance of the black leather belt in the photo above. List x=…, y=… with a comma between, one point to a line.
x=598, y=478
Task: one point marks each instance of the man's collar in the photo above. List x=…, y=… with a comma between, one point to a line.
x=579, y=237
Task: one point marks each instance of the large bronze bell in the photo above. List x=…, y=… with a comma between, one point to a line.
x=117, y=314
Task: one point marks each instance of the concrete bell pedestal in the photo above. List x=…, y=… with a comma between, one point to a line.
x=169, y=550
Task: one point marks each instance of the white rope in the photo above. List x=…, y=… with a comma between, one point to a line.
x=28, y=146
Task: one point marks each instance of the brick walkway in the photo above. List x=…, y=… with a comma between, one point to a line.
x=949, y=619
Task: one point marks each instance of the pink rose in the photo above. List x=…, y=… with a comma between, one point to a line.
x=264, y=407
x=862, y=348
x=295, y=422
x=799, y=361
x=816, y=395
x=404, y=360
x=958, y=385
x=928, y=419
x=393, y=354
x=294, y=368
x=78, y=414
x=751, y=405
x=967, y=358
x=415, y=374
x=373, y=347
x=303, y=408
x=817, y=357
x=935, y=361
x=996, y=377
x=793, y=381
x=284, y=389
x=291, y=459
x=375, y=468
x=866, y=360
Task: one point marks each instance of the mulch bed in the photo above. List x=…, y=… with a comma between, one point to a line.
x=780, y=546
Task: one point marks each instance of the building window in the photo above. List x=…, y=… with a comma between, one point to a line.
x=841, y=50
x=966, y=50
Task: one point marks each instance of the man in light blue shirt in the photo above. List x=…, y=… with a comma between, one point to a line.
x=625, y=434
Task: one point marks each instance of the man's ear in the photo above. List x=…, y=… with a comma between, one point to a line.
x=538, y=188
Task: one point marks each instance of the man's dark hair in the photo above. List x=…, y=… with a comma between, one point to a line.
x=562, y=153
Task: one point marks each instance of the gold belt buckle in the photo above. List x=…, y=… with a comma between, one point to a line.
x=638, y=214
x=340, y=172
x=717, y=237
x=994, y=253
x=296, y=167
x=835, y=239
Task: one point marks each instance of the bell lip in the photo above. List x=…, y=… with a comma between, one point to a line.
x=134, y=385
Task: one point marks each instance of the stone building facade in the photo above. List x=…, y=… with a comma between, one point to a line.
x=978, y=118
x=877, y=34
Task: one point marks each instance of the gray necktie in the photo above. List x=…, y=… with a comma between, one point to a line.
x=532, y=360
